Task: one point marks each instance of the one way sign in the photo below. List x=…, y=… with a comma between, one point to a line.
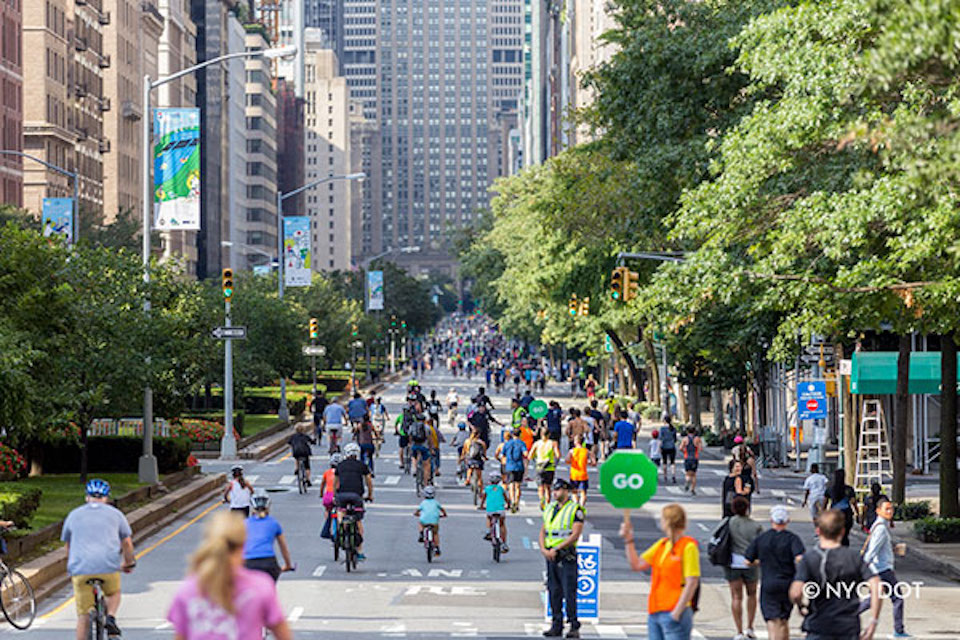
x=230, y=333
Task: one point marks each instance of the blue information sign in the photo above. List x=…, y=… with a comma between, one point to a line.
x=812, y=400
x=588, y=581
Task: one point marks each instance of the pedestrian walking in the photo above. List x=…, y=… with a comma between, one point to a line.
x=829, y=576
x=579, y=457
x=692, y=447
x=668, y=445
x=733, y=486
x=653, y=448
x=624, y=429
x=878, y=552
x=868, y=515
x=842, y=497
x=777, y=551
x=562, y=525
x=222, y=600
x=740, y=574
x=815, y=491
x=674, y=564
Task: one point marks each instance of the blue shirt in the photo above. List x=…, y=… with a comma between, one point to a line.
x=430, y=511
x=513, y=451
x=624, y=434
x=261, y=532
x=879, y=552
x=357, y=408
x=334, y=414
x=496, y=498
x=94, y=532
x=554, y=416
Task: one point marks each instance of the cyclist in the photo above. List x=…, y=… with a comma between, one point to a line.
x=378, y=411
x=545, y=453
x=351, y=476
x=434, y=440
x=262, y=530
x=453, y=399
x=365, y=434
x=318, y=404
x=99, y=545
x=333, y=415
x=419, y=451
x=300, y=443
x=474, y=452
x=238, y=492
x=328, y=493
x=459, y=439
x=430, y=511
x=496, y=502
x=434, y=407
x=400, y=430
x=357, y=411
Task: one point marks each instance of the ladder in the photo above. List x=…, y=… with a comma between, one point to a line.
x=873, y=453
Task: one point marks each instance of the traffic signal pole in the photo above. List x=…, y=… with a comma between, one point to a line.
x=228, y=445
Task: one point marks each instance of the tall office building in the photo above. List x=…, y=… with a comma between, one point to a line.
x=130, y=40
x=233, y=225
x=11, y=104
x=435, y=108
x=506, y=75
x=327, y=153
x=591, y=19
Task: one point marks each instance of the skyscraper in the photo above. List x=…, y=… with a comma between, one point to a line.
x=11, y=104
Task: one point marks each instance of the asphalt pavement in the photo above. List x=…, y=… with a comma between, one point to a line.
x=396, y=594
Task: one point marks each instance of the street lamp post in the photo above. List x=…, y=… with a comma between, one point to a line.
x=73, y=175
x=147, y=468
x=284, y=413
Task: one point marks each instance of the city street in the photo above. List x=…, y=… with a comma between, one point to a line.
x=464, y=593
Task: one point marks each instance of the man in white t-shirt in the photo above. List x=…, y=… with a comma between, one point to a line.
x=814, y=491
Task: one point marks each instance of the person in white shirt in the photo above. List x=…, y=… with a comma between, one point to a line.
x=238, y=492
x=654, y=449
x=814, y=491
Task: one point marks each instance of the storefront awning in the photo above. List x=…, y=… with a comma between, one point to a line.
x=875, y=372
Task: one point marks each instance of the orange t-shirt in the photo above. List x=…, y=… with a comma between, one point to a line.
x=578, y=463
x=527, y=436
x=328, y=478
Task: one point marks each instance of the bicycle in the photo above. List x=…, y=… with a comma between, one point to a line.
x=302, y=482
x=429, y=544
x=418, y=477
x=97, y=617
x=495, y=535
x=405, y=461
x=347, y=537
x=18, y=603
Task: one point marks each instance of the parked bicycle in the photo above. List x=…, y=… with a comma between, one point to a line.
x=17, y=600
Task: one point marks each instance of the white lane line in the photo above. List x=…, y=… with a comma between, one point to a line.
x=532, y=485
x=391, y=480
x=703, y=526
x=394, y=630
x=162, y=626
x=718, y=472
x=529, y=520
x=252, y=479
x=610, y=631
x=295, y=614
x=779, y=493
x=318, y=572
x=708, y=491
x=675, y=490
x=287, y=479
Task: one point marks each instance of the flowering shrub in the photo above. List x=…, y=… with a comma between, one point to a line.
x=12, y=463
x=198, y=430
x=192, y=461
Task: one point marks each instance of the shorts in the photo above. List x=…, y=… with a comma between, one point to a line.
x=335, y=427
x=748, y=575
x=554, y=435
x=513, y=476
x=691, y=464
x=669, y=456
x=495, y=514
x=403, y=441
x=473, y=463
x=347, y=499
x=306, y=461
x=83, y=592
x=655, y=461
x=241, y=510
x=546, y=476
x=419, y=451
x=775, y=607
x=268, y=566
x=580, y=485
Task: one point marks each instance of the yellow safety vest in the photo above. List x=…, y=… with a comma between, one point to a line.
x=557, y=528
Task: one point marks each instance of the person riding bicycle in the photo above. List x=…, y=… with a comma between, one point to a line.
x=459, y=439
x=434, y=407
x=351, y=476
x=474, y=452
x=430, y=511
x=380, y=416
x=419, y=452
x=333, y=417
x=300, y=443
x=434, y=440
x=238, y=492
x=262, y=530
x=496, y=502
x=328, y=494
x=99, y=546
x=357, y=411
x=453, y=399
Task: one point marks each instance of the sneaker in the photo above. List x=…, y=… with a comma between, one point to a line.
x=739, y=636
x=553, y=632
x=686, y=487
x=902, y=634
x=693, y=492
x=750, y=634
x=361, y=557
x=420, y=537
x=111, y=626
x=486, y=536
x=504, y=548
x=438, y=474
x=436, y=552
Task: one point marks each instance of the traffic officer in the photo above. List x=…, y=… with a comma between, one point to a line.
x=562, y=526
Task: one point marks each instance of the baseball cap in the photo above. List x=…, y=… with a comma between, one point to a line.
x=779, y=514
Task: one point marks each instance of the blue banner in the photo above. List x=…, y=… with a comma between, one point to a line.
x=57, y=218
x=374, y=290
x=176, y=169
x=296, y=251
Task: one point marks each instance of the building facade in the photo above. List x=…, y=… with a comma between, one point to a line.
x=233, y=225
x=11, y=104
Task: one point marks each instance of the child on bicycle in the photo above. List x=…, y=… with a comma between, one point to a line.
x=496, y=502
x=430, y=511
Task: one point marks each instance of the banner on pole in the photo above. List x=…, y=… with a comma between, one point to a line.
x=58, y=218
x=374, y=290
x=296, y=251
x=176, y=169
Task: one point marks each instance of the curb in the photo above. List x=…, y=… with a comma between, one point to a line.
x=49, y=572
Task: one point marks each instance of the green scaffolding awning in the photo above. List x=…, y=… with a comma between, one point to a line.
x=875, y=372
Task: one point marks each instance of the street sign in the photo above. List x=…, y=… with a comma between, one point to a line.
x=846, y=367
x=811, y=358
x=814, y=349
x=314, y=350
x=538, y=409
x=628, y=479
x=812, y=400
x=229, y=333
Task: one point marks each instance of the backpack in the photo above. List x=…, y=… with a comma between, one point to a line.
x=417, y=431
x=719, y=547
x=475, y=450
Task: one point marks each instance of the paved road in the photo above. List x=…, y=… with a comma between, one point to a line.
x=396, y=594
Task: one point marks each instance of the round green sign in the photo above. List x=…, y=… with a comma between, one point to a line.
x=628, y=479
x=538, y=409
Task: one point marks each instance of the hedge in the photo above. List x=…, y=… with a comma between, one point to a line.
x=114, y=454
x=912, y=510
x=19, y=506
x=934, y=529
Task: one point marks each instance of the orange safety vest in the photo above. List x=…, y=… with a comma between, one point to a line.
x=667, y=580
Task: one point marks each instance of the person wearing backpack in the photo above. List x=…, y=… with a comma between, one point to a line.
x=668, y=447
x=419, y=452
x=739, y=573
x=777, y=551
x=674, y=562
x=513, y=453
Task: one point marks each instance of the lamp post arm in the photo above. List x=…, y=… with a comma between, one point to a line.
x=53, y=167
x=206, y=63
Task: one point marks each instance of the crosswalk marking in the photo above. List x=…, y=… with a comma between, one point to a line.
x=394, y=630
x=529, y=520
x=708, y=491
x=534, y=629
x=675, y=490
x=287, y=479
x=318, y=572
x=779, y=493
x=252, y=479
x=531, y=485
x=163, y=625
x=295, y=614
x=391, y=480
x=718, y=472
x=610, y=631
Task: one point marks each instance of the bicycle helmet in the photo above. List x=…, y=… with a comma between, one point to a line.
x=461, y=425
x=495, y=477
x=429, y=492
x=236, y=470
x=260, y=501
x=98, y=488
x=335, y=459
x=351, y=450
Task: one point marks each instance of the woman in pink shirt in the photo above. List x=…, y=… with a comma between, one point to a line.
x=220, y=599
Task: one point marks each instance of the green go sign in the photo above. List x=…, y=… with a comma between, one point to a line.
x=628, y=479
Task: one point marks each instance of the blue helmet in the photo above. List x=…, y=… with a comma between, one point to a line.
x=461, y=425
x=98, y=488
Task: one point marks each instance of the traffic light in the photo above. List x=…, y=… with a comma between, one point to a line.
x=354, y=331
x=314, y=329
x=585, y=306
x=617, y=284
x=226, y=283
x=403, y=325
x=393, y=322
x=631, y=284
x=574, y=306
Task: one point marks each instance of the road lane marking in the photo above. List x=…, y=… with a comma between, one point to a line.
x=532, y=485
x=318, y=572
x=287, y=479
x=703, y=526
x=251, y=479
x=295, y=614
x=445, y=573
x=163, y=625
x=610, y=631
x=779, y=493
x=391, y=480
x=413, y=573
x=675, y=490
x=394, y=630
x=459, y=590
x=529, y=520
x=709, y=491
x=526, y=542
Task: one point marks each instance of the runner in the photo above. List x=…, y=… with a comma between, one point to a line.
x=692, y=447
x=545, y=453
x=514, y=454
x=668, y=445
x=578, y=458
x=815, y=491
x=653, y=448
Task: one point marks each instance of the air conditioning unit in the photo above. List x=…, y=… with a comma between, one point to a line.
x=80, y=90
x=105, y=18
x=104, y=146
x=105, y=61
x=131, y=110
x=105, y=104
x=80, y=43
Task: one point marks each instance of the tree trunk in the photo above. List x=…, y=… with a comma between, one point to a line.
x=694, y=404
x=716, y=402
x=949, y=506
x=682, y=408
x=898, y=437
x=653, y=371
x=641, y=395
x=849, y=424
x=622, y=351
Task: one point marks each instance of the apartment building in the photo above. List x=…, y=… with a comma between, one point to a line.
x=11, y=104
x=327, y=151
x=233, y=224
x=590, y=20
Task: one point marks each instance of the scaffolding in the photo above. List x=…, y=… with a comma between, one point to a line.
x=873, y=452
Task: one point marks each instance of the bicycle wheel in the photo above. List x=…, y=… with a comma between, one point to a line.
x=348, y=557
x=496, y=550
x=419, y=478
x=428, y=543
x=301, y=480
x=18, y=602
x=96, y=630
